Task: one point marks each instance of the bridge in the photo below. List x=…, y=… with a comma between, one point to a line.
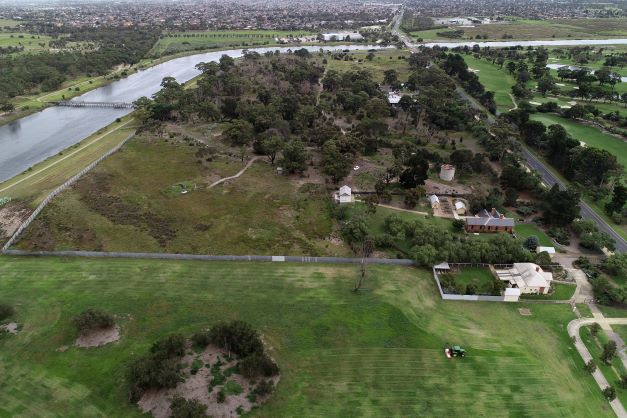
x=113, y=105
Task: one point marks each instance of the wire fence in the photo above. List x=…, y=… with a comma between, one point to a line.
x=58, y=190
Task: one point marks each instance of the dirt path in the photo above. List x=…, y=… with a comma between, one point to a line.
x=252, y=160
x=399, y=209
x=511, y=96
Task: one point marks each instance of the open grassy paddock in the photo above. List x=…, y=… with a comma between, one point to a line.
x=30, y=42
x=481, y=277
x=375, y=353
x=133, y=202
x=527, y=29
x=391, y=59
x=171, y=43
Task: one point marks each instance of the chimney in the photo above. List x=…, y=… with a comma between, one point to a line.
x=493, y=211
x=502, y=216
x=538, y=269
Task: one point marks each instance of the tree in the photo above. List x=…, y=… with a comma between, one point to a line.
x=590, y=367
x=6, y=311
x=561, y=207
x=412, y=197
x=239, y=132
x=546, y=84
x=377, y=108
x=623, y=381
x=619, y=198
x=609, y=351
x=511, y=196
x=335, y=163
x=390, y=77
x=294, y=157
x=594, y=329
x=187, y=408
x=531, y=243
x=462, y=159
x=226, y=62
x=271, y=146
x=416, y=173
x=593, y=166
x=609, y=393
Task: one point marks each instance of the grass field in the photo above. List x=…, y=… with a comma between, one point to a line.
x=480, y=276
x=494, y=79
x=561, y=291
x=132, y=202
x=383, y=60
x=613, y=371
x=526, y=230
x=375, y=353
x=9, y=23
x=34, y=184
x=591, y=136
x=31, y=43
x=527, y=29
x=184, y=41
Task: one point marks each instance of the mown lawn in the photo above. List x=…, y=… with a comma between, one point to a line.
x=375, y=353
x=591, y=136
x=523, y=231
x=495, y=79
x=391, y=59
x=31, y=43
x=185, y=41
x=481, y=277
x=612, y=371
x=561, y=291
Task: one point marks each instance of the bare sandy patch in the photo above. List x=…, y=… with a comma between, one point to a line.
x=99, y=337
x=524, y=311
x=11, y=217
x=198, y=387
x=11, y=328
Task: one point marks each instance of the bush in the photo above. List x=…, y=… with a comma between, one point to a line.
x=531, y=243
x=170, y=346
x=263, y=388
x=92, y=319
x=258, y=365
x=221, y=397
x=232, y=388
x=201, y=339
x=6, y=311
x=238, y=337
x=159, y=369
x=187, y=408
x=560, y=235
x=590, y=367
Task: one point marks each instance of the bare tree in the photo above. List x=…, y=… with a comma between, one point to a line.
x=367, y=247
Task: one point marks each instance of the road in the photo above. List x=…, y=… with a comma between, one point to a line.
x=586, y=211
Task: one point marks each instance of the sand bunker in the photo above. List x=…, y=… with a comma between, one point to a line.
x=97, y=338
x=11, y=328
x=198, y=387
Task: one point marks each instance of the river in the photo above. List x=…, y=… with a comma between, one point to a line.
x=34, y=138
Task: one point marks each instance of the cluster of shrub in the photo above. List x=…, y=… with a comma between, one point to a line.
x=449, y=285
x=161, y=367
x=606, y=292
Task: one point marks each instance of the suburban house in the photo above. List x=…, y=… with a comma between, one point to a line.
x=435, y=202
x=344, y=195
x=492, y=221
x=528, y=277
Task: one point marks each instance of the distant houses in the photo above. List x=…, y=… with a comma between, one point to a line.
x=492, y=221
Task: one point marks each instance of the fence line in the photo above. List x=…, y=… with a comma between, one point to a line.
x=58, y=190
x=475, y=298
x=170, y=256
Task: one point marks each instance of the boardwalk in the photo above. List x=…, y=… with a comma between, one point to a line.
x=114, y=105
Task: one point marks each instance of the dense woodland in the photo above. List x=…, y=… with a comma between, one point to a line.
x=46, y=71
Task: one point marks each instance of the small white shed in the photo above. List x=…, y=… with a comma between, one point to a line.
x=460, y=207
x=344, y=195
x=435, y=201
x=512, y=294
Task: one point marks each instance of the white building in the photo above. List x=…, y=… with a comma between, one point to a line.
x=435, y=201
x=394, y=98
x=460, y=207
x=447, y=172
x=528, y=277
x=342, y=36
x=344, y=195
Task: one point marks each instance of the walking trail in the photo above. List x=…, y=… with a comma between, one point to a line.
x=252, y=160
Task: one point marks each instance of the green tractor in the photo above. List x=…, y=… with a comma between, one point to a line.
x=454, y=351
